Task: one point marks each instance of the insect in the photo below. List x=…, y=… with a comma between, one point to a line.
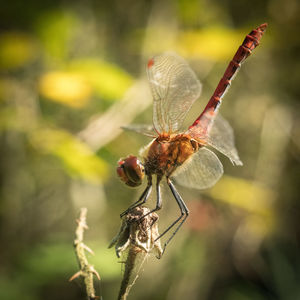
x=183, y=156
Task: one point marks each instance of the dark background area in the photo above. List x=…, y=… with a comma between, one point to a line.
x=72, y=73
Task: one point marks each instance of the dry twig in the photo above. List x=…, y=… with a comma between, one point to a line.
x=138, y=236
x=87, y=271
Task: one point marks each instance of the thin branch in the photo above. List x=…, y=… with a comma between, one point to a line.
x=104, y=128
x=87, y=271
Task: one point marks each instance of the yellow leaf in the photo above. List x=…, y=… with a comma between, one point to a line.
x=66, y=88
x=253, y=198
x=79, y=161
x=244, y=194
x=213, y=43
x=108, y=80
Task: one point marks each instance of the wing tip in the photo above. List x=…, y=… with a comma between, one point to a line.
x=236, y=162
x=150, y=63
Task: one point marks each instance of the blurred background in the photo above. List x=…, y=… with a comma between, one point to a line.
x=72, y=73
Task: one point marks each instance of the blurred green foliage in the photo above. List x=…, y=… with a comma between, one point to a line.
x=16, y=50
x=65, y=70
x=55, y=30
x=78, y=160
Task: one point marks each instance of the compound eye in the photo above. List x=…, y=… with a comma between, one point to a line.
x=131, y=171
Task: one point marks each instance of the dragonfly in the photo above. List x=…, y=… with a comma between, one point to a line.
x=174, y=154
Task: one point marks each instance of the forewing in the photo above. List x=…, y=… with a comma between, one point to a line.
x=174, y=88
x=143, y=129
x=221, y=137
x=201, y=171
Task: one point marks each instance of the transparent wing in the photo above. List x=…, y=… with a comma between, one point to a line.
x=221, y=137
x=174, y=88
x=201, y=171
x=143, y=129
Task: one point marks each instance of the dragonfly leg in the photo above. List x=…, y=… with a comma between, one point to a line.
x=143, y=198
x=158, y=200
x=184, y=214
x=158, y=197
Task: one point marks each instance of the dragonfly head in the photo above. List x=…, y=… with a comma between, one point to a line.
x=131, y=171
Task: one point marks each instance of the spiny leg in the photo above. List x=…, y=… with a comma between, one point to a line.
x=143, y=198
x=184, y=214
x=158, y=200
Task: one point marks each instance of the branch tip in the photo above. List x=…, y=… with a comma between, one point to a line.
x=95, y=273
x=85, y=247
x=76, y=275
x=86, y=270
